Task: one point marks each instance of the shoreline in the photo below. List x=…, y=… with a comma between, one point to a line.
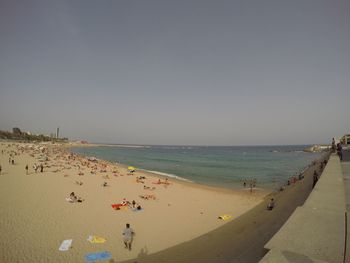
x=266, y=187
x=34, y=204
x=188, y=183
x=243, y=239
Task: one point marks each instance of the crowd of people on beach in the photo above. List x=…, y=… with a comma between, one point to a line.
x=54, y=159
x=57, y=159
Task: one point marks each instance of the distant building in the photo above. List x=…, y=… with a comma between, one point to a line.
x=345, y=139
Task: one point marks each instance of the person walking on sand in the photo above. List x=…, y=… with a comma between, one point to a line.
x=0, y=169
x=27, y=169
x=128, y=234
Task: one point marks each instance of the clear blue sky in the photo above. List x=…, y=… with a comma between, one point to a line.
x=177, y=72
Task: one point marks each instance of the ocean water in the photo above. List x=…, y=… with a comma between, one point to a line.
x=217, y=166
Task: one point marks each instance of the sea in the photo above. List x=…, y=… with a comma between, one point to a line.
x=219, y=166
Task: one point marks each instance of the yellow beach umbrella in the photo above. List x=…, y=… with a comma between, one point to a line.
x=131, y=168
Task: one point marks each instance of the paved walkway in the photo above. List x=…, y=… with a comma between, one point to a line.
x=346, y=175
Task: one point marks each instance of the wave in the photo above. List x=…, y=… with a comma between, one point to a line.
x=286, y=151
x=168, y=175
x=125, y=146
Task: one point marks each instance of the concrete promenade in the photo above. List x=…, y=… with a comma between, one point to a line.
x=346, y=175
x=317, y=230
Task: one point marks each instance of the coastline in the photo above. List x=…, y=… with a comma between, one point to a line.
x=35, y=202
x=287, y=161
x=243, y=239
x=175, y=178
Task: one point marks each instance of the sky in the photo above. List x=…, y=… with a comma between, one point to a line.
x=177, y=72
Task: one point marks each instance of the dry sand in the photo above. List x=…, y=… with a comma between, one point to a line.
x=35, y=217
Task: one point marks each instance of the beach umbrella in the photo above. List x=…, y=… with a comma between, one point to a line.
x=131, y=168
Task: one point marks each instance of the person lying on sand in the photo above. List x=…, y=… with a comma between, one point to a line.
x=139, y=180
x=125, y=202
x=73, y=198
x=148, y=197
x=148, y=188
x=79, y=182
x=105, y=184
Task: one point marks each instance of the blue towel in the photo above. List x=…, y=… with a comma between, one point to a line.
x=97, y=256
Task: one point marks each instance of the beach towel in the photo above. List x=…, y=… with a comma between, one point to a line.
x=96, y=239
x=119, y=206
x=98, y=256
x=225, y=217
x=65, y=245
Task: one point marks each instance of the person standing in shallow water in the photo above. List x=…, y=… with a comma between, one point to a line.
x=128, y=234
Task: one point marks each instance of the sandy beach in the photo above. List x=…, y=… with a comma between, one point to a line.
x=36, y=217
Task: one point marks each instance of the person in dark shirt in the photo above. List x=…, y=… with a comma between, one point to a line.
x=340, y=151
